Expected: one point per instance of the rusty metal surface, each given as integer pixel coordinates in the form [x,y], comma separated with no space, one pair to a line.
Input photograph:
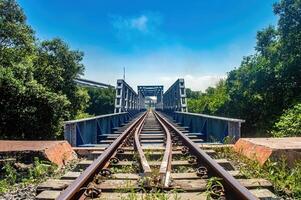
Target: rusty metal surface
[146,168]
[165,167]
[230,182]
[73,191]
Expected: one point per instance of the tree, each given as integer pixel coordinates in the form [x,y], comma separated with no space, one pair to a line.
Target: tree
[56,67]
[36,81]
[265,83]
[28,110]
[289,123]
[101,101]
[210,102]
[192,94]
[16,37]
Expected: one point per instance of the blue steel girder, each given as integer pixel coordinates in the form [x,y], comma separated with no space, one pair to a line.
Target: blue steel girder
[174,99]
[148,91]
[126,98]
[88,130]
[213,128]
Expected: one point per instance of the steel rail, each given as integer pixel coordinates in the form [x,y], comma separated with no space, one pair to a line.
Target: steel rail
[230,182]
[143,161]
[165,167]
[74,190]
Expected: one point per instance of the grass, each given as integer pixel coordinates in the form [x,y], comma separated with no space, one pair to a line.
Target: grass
[149,155]
[124,169]
[38,172]
[182,169]
[286,181]
[152,195]
[212,185]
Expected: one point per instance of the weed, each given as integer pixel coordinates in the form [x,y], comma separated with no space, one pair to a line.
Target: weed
[4,186]
[214,188]
[286,181]
[41,169]
[12,178]
[10,173]
[124,169]
[182,169]
[229,140]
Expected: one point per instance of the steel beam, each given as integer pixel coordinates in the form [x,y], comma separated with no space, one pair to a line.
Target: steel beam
[89,83]
[150,90]
[126,98]
[89,130]
[174,99]
[213,128]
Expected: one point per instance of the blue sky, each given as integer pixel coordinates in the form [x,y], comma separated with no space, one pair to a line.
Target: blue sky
[156,41]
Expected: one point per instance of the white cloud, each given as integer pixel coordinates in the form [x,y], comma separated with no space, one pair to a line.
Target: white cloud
[194,82]
[132,28]
[164,66]
[139,23]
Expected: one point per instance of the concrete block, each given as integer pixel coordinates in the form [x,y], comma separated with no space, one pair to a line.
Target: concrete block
[58,152]
[262,149]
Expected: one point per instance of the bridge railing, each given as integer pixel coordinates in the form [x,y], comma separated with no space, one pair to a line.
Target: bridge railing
[213,128]
[89,130]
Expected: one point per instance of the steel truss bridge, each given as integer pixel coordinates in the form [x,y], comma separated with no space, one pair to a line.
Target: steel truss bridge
[127,100]
[136,143]
[129,103]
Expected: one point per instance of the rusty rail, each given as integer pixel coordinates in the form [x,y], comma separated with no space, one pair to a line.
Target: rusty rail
[165,167]
[75,189]
[231,184]
[146,168]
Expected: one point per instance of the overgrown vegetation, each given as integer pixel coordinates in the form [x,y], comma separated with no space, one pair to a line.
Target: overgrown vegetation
[37,85]
[101,101]
[289,123]
[286,181]
[266,83]
[214,188]
[31,174]
[36,79]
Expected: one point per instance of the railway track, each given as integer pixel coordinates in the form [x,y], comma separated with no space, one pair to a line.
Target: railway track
[153,158]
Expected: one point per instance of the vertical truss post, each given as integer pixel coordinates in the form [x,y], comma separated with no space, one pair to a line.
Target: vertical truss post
[174,99]
[150,91]
[126,98]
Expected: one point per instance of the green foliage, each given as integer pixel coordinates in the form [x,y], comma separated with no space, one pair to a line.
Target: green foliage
[286,180]
[192,94]
[10,173]
[37,85]
[210,102]
[289,123]
[16,37]
[211,184]
[41,169]
[265,83]
[28,110]
[4,186]
[56,67]
[101,101]
[36,173]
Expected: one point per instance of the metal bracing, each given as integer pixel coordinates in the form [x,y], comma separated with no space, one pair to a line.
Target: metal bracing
[89,130]
[148,91]
[212,128]
[89,83]
[174,99]
[126,98]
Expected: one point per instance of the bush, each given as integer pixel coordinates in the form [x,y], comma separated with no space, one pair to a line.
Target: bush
[289,123]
